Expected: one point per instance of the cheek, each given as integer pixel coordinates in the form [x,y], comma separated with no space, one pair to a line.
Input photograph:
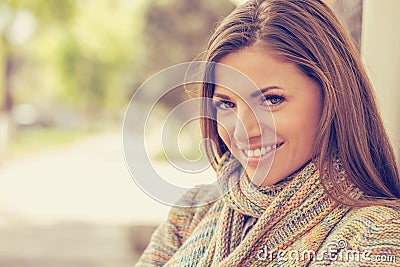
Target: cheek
[300,125]
[313,120]
[226,128]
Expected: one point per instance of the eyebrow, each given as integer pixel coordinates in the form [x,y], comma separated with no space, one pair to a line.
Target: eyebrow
[263,90]
[225,97]
[255,94]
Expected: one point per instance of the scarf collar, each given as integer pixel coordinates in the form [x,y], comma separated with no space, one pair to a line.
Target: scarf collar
[241,193]
[286,211]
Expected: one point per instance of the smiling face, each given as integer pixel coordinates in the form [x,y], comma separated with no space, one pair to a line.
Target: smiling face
[269,127]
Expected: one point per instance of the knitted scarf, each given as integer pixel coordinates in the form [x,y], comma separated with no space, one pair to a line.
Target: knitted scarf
[284,211]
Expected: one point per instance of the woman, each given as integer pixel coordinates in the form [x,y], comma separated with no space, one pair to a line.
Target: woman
[315,185]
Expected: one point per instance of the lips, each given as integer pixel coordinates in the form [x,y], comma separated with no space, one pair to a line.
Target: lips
[259,152]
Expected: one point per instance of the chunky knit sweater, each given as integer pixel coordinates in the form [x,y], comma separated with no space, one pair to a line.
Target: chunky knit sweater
[367,236]
[297,225]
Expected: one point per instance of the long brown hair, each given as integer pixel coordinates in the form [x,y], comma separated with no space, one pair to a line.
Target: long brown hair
[308,34]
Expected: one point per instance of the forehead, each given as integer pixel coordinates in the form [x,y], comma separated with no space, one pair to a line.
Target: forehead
[255,68]
[230,79]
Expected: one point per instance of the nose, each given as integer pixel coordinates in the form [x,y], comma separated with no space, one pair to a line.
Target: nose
[247,126]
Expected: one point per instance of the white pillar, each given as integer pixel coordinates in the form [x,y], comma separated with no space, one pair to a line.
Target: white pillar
[380,50]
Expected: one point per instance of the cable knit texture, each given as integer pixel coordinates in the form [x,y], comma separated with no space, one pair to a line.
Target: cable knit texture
[297,225]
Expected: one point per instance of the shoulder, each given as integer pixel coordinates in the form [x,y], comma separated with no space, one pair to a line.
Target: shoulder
[374,230]
[198,196]
[380,212]
[370,221]
[373,216]
[183,217]
[191,208]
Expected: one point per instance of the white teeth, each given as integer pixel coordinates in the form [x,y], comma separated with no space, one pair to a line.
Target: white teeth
[260,152]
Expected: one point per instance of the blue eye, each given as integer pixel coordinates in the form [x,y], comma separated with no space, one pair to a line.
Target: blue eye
[272,100]
[223,105]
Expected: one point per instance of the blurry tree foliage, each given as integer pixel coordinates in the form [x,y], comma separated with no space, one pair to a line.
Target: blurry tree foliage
[89,56]
[78,57]
[13,15]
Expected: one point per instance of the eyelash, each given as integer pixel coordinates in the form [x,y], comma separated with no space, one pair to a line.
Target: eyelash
[218,104]
[265,98]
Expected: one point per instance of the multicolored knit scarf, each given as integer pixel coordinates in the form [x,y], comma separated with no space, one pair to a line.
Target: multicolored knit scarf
[285,212]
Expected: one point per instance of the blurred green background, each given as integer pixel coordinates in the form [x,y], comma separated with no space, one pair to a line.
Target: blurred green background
[69,67]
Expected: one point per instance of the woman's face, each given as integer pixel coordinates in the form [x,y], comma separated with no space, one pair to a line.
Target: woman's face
[269,127]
